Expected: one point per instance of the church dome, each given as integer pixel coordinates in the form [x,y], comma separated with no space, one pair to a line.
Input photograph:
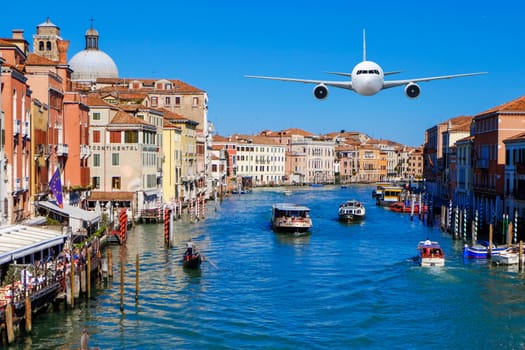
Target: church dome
[92,63]
[88,65]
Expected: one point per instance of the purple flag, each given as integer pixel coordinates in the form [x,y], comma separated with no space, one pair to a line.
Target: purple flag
[55,186]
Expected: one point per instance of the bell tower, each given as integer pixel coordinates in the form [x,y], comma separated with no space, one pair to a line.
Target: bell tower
[45,41]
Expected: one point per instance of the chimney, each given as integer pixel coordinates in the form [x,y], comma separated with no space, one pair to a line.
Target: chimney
[18,34]
[63,45]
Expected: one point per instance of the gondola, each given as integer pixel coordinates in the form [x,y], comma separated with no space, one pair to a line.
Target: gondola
[191,259]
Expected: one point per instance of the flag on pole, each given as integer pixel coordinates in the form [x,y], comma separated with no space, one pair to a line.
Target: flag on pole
[55,187]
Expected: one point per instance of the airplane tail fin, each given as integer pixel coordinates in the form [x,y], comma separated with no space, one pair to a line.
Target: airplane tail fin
[364,45]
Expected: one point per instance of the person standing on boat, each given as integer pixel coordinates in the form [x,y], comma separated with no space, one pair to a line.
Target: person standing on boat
[190,247]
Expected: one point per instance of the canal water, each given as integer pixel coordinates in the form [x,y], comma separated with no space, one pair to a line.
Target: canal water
[345,286]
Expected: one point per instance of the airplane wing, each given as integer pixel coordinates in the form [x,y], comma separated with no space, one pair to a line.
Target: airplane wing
[339,84]
[393,83]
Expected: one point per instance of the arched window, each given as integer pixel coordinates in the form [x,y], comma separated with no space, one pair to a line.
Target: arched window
[48,46]
[41,45]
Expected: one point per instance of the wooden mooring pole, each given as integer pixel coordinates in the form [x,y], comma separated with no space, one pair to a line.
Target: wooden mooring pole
[28,319]
[490,242]
[88,274]
[110,263]
[9,323]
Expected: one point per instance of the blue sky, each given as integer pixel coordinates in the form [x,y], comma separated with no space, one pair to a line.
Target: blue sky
[213,44]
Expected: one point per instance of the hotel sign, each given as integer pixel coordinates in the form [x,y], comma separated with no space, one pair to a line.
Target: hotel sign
[117,148]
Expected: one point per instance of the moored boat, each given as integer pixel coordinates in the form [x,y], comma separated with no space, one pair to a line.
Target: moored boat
[509,256]
[480,250]
[288,217]
[351,210]
[430,253]
[192,258]
[389,195]
[379,188]
[402,207]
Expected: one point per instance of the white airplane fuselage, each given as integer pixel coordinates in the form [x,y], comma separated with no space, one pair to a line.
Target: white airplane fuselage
[367,78]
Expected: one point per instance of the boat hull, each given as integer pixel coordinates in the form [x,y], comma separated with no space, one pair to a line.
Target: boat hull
[480,251]
[193,262]
[427,262]
[351,217]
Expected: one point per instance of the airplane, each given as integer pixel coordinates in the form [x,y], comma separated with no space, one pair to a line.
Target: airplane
[367,79]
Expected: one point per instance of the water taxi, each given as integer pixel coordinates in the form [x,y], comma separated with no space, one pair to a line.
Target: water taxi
[351,211]
[430,253]
[288,217]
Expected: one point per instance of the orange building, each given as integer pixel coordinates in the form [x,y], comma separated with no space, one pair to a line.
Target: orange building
[490,129]
[16,105]
[62,142]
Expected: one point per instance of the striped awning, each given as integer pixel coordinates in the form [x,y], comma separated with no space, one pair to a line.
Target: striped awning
[17,241]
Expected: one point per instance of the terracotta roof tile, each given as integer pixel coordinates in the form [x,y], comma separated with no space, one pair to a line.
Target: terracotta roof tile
[94,100]
[37,60]
[517,105]
[124,118]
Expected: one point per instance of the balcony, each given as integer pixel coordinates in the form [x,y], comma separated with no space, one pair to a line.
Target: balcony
[84,151]
[16,127]
[26,131]
[482,163]
[26,183]
[62,150]
[17,186]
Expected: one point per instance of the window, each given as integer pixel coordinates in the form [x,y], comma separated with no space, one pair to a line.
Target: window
[96,115]
[154,101]
[177,101]
[115,136]
[48,45]
[115,183]
[96,136]
[167,101]
[95,181]
[131,137]
[41,45]
[115,159]
[96,160]
[195,101]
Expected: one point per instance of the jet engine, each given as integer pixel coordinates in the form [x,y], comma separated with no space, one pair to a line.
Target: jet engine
[320,92]
[412,90]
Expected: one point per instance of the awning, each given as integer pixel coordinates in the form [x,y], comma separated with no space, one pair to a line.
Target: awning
[72,212]
[17,241]
[151,194]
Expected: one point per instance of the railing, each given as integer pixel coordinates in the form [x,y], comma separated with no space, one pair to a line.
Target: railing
[62,149]
[16,127]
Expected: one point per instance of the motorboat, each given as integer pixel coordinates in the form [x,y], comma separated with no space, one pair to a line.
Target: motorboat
[430,253]
[351,210]
[289,217]
[509,256]
[480,250]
